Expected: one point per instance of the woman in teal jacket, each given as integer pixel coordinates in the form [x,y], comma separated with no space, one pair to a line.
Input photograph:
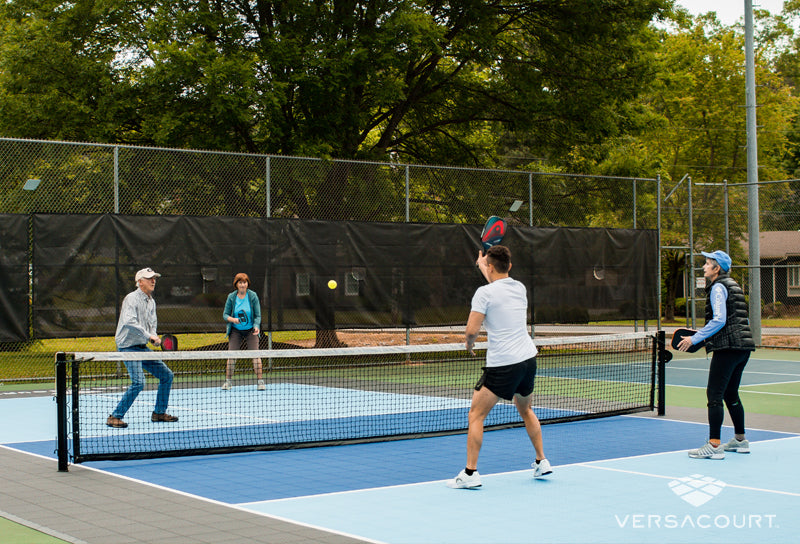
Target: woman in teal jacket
[243,315]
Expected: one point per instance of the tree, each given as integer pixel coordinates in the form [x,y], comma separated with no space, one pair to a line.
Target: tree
[350,79]
[696,115]
[435,82]
[59,78]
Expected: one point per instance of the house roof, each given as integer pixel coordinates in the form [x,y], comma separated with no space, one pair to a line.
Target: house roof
[777,244]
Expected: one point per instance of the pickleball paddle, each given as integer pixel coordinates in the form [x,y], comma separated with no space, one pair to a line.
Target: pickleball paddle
[493,232]
[680,334]
[169,342]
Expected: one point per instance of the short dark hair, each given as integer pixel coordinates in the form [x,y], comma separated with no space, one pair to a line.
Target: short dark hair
[241,276]
[500,258]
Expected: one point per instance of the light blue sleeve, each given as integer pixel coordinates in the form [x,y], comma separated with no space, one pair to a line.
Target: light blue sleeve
[719,296]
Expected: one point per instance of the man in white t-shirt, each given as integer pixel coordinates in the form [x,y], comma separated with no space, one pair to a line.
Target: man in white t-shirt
[502,308]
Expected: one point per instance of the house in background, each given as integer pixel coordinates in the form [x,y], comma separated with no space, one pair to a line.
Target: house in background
[780,266]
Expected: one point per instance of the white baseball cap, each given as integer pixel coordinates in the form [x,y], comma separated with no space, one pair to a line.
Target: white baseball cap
[146,273]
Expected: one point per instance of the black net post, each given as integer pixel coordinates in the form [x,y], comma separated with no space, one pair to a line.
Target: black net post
[662,373]
[76,428]
[61,411]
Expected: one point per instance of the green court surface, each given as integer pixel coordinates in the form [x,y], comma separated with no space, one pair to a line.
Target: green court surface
[770,385]
[16,533]
[756,399]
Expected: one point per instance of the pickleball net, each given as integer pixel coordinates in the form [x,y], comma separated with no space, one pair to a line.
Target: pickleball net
[331,396]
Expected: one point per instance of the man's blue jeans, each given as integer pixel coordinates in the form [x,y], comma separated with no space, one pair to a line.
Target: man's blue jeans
[136,371]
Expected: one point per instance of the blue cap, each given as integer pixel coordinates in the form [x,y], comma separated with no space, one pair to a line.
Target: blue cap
[721,257]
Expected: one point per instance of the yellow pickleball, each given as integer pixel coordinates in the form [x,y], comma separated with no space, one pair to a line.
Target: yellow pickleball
[332,284]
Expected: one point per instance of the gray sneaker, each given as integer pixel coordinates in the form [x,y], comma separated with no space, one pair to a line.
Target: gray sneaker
[708,452]
[739,446]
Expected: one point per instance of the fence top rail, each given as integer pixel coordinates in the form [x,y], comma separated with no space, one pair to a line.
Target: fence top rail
[318,159]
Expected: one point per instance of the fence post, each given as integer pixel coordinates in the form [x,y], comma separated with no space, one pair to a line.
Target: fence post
[408,219]
[530,199]
[727,219]
[268,184]
[692,281]
[116,179]
[658,249]
[408,195]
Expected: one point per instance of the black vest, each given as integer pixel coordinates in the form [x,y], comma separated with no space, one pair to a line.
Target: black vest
[735,334]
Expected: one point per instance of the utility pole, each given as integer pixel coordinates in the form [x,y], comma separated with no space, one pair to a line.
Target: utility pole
[753,229]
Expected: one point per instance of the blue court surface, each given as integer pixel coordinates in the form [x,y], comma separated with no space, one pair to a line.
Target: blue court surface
[612,482]
[618,479]
[654,498]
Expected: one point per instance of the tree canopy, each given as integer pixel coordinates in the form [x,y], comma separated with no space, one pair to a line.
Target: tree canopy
[628,88]
[432,81]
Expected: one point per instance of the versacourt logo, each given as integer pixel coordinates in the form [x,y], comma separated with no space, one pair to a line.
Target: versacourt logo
[697,489]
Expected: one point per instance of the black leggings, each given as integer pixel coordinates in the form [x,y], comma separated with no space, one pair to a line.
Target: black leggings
[724,376]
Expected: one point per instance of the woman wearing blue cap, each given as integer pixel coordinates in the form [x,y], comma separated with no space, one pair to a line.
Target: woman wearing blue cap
[728,338]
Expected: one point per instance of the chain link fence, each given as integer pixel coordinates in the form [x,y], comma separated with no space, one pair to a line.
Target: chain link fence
[779,247]
[46,177]
[84,178]
[711,216]
[78,178]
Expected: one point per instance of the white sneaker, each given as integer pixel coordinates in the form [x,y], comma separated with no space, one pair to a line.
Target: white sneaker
[739,446]
[261,385]
[226,385]
[463,481]
[541,468]
[708,452]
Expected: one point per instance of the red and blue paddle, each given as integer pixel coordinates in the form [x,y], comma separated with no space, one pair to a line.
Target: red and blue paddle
[493,232]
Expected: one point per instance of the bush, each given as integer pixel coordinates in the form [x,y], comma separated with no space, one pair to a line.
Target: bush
[682,311]
[773,309]
[680,307]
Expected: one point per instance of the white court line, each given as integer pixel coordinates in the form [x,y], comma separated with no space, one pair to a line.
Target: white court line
[789,434]
[775,491]
[767,393]
[524,471]
[743,390]
[745,372]
[771,383]
[194,496]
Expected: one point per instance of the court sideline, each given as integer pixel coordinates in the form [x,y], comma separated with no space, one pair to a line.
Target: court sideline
[87,505]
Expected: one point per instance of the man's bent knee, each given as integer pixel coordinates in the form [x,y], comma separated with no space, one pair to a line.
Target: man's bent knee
[136,386]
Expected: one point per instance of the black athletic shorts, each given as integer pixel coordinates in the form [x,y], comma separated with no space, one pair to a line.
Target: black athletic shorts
[505,381]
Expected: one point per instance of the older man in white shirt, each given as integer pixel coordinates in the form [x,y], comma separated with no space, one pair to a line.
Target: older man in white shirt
[136,328]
